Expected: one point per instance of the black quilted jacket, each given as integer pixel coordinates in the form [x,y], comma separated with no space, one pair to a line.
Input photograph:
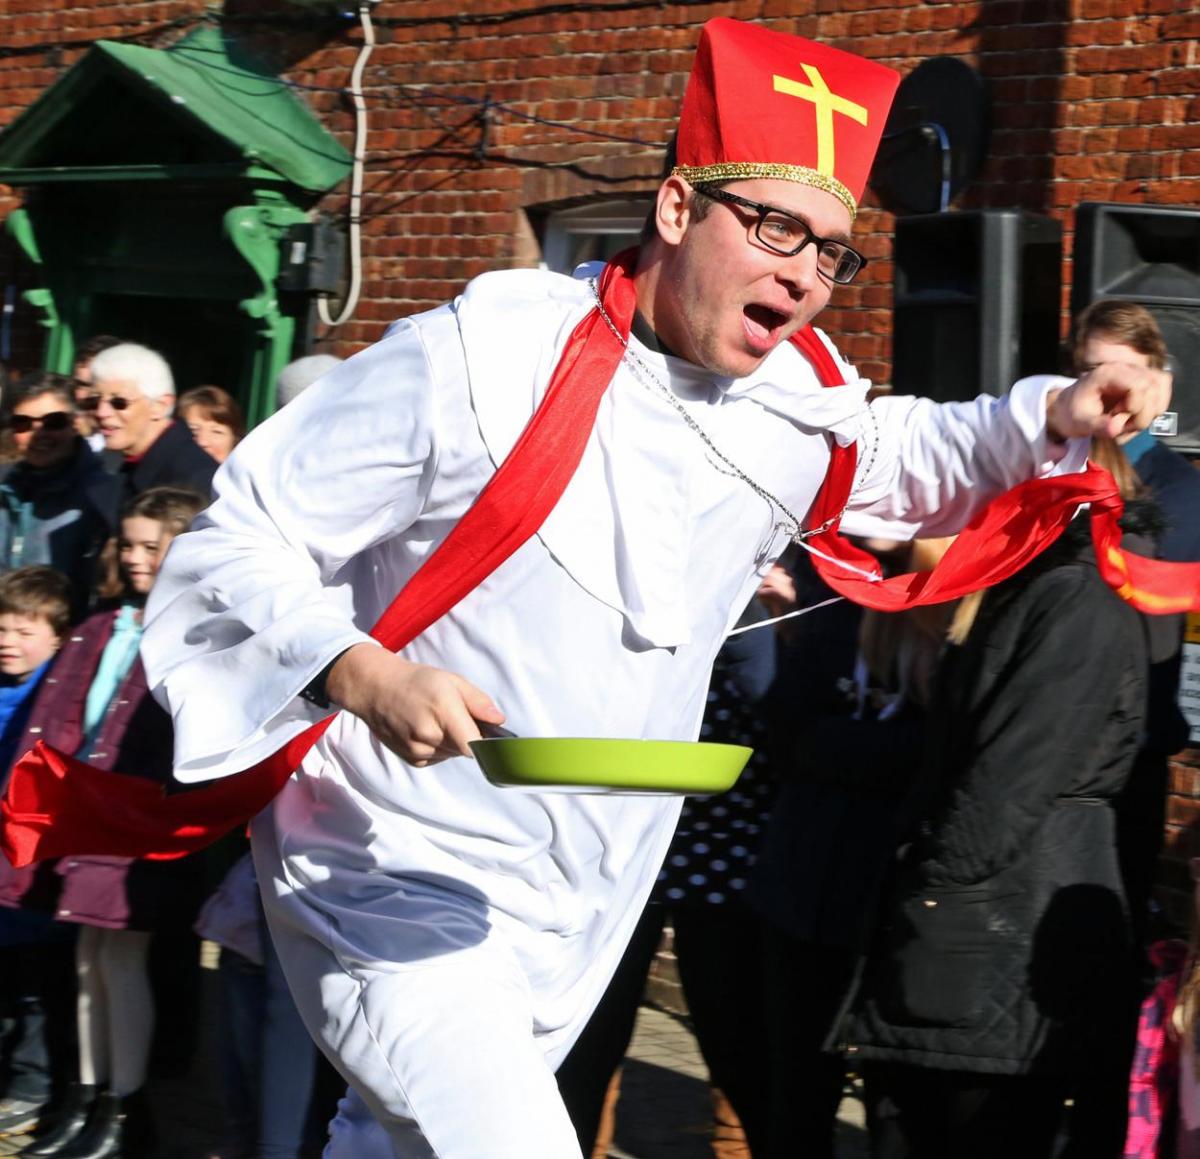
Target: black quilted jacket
[1004,944]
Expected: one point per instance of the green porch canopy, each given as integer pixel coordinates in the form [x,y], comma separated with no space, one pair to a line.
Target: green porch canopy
[164,192]
[215,109]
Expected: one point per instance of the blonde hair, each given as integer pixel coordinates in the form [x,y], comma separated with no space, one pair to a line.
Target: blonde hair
[1105,453]
[964,616]
[901,649]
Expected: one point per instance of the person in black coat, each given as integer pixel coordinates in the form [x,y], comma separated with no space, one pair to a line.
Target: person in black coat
[1111,330]
[133,399]
[998,977]
[846,749]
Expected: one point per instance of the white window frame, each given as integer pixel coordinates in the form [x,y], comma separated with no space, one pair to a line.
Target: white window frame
[615,224]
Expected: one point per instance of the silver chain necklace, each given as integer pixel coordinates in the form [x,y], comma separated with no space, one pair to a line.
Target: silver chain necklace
[647,377]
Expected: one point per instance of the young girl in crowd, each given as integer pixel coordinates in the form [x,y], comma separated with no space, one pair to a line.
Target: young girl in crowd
[96,705]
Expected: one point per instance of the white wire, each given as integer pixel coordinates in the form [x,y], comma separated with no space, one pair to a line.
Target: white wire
[785,616]
[867,575]
[356,178]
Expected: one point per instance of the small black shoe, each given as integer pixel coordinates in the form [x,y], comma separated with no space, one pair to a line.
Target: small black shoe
[18,1116]
[118,1128]
[67,1123]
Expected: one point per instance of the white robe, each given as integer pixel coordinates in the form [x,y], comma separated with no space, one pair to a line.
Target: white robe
[604,624]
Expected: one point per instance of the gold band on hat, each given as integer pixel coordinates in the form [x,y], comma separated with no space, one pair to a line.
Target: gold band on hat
[749,170]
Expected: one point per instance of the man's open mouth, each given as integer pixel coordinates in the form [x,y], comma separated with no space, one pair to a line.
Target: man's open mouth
[763,323]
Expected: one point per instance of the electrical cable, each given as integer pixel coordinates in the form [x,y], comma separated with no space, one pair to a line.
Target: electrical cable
[356,176]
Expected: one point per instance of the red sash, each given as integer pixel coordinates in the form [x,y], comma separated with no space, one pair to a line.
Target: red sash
[56,805]
[999,541]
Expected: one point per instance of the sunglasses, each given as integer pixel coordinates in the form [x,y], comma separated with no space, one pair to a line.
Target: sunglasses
[93,401]
[56,420]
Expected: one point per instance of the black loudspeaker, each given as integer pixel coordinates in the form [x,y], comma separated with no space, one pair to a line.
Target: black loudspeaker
[976,301]
[1149,255]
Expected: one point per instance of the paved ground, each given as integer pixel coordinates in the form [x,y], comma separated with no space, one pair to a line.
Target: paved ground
[664,1110]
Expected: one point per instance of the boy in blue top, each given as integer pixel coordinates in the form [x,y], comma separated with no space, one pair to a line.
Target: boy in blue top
[34,614]
[36,957]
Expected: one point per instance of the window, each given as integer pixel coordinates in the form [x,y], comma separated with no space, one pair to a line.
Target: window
[593,232]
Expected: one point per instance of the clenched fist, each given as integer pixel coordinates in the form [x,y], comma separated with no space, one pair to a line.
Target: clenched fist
[422,714]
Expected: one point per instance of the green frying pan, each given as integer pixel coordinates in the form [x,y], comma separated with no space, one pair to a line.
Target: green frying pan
[611,766]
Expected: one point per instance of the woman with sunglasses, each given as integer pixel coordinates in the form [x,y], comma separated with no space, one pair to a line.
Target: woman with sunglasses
[55,499]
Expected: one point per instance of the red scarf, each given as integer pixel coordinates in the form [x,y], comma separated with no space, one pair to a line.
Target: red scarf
[999,541]
[56,805]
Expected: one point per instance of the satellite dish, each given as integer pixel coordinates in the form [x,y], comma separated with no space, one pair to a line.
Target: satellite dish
[936,137]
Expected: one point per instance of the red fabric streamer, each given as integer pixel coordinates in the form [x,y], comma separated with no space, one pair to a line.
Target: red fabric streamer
[56,805]
[1002,538]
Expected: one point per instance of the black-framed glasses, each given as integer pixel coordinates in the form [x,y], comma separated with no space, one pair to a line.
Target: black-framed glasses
[784,234]
[56,420]
[93,401]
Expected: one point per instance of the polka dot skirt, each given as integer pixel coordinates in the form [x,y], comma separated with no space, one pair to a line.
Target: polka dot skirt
[717,838]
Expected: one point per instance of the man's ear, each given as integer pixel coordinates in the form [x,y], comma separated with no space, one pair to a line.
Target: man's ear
[673,209]
[167,405]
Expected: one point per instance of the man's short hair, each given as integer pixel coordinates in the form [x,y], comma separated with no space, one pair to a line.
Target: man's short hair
[301,374]
[97,344]
[129,362]
[1122,323]
[700,207]
[39,593]
[38,383]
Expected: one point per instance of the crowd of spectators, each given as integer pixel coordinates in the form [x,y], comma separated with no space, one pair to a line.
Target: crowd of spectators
[935,875]
[99,956]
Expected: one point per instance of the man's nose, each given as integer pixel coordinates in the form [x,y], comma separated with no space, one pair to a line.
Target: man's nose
[800,270]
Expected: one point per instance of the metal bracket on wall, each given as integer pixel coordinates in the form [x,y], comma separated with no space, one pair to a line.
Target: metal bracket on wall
[20,228]
[256,232]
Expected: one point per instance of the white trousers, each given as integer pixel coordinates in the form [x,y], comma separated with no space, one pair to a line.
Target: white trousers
[441,1056]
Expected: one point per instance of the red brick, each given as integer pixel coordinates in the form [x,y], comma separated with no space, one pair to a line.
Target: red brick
[1133,140]
[1183,811]
[1181,81]
[1180,26]
[1123,60]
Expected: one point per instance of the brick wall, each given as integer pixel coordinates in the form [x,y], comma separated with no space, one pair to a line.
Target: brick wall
[1092,101]
[1182,839]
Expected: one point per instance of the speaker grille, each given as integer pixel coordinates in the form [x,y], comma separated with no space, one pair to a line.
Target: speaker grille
[1149,255]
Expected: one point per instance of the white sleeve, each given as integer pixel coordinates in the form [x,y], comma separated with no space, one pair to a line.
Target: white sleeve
[256,599]
[925,468]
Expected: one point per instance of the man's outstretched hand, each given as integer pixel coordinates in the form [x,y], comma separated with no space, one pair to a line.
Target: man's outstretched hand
[424,715]
[1110,400]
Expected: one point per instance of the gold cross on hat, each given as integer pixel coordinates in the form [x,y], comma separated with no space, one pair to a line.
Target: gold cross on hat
[826,104]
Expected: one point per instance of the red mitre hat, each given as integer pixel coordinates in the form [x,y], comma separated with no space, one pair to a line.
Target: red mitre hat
[768,104]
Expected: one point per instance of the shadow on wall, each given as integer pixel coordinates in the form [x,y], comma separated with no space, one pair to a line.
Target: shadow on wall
[1022,55]
[272,36]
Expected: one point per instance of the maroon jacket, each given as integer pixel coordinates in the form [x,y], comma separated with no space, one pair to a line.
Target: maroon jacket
[134,738]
